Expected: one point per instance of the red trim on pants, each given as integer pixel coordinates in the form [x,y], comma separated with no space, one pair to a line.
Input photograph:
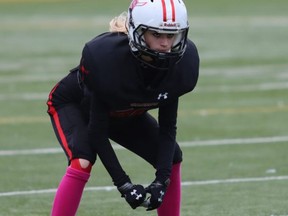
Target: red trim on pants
[53,112]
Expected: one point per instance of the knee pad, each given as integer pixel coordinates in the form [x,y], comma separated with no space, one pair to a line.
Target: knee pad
[84,167]
[177,155]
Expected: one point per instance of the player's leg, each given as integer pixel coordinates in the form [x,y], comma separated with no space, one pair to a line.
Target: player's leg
[171,205]
[140,135]
[71,130]
[69,192]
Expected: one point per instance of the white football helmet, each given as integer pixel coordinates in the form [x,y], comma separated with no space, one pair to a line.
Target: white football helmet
[161,16]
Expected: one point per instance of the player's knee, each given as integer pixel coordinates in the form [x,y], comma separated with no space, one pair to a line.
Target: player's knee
[177,155]
[81,164]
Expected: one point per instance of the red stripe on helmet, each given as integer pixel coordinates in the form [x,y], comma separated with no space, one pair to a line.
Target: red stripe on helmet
[164,11]
[173,11]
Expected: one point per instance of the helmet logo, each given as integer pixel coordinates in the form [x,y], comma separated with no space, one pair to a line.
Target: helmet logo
[171,24]
[135,3]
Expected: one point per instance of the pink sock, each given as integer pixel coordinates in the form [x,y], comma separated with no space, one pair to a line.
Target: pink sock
[172,200]
[69,193]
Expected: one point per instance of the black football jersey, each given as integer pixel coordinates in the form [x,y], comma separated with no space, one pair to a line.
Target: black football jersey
[122,87]
[120,81]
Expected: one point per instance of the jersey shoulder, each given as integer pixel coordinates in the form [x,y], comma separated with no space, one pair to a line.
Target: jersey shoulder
[187,69]
[108,62]
[108,45]
[191,52]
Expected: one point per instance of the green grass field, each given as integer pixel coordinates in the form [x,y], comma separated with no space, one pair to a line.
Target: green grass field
[232,128]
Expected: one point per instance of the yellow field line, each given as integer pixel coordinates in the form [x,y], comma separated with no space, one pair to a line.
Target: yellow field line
[23,120]
[232,111]
[200,112]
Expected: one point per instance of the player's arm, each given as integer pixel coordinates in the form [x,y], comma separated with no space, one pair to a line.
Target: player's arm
[167,118]
[99,138]
[98,134]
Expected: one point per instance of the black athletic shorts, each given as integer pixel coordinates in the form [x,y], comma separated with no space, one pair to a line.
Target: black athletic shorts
[70,121]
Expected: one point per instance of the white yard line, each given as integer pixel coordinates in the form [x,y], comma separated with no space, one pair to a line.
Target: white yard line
[256,140]
[184,184]
[30,96]
[259,140]
[236,180]
[238,141]
[31,151]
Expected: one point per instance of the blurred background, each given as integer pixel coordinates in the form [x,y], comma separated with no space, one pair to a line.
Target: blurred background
[232,127]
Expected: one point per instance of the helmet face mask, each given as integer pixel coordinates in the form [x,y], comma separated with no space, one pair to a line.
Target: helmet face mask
[149,16]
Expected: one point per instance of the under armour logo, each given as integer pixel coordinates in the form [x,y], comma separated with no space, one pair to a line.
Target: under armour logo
[160,199]
[138,196]
[163,96]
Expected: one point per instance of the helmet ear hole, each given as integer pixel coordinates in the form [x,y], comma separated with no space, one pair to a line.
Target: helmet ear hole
[130,20]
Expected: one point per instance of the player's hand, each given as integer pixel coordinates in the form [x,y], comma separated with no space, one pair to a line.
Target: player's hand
[157,191]
[134,194]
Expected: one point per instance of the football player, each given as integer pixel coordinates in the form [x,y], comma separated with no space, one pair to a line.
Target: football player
[144,62]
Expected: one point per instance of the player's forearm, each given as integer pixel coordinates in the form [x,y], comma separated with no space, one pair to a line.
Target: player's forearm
[111,163]
[165,157]
[98,135]
[167,139]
